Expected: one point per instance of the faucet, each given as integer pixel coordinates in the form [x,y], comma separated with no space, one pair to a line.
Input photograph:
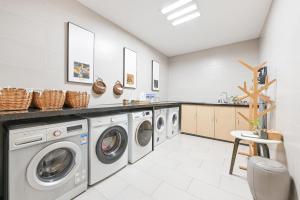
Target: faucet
[223,97]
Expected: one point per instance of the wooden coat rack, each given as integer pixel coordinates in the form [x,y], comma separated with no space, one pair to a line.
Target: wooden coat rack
[254,93]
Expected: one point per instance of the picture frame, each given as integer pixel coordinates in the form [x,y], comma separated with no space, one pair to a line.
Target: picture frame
[155,75]
[80,54]
[129,68]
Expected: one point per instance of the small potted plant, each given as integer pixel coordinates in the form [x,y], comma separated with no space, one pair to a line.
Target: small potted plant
[256,126]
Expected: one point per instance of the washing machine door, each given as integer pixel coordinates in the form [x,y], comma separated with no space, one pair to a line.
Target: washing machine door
[174,119]
[54,165]
[143,133]
[160,123]
[112,144]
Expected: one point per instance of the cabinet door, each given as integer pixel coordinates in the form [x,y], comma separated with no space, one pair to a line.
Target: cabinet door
[224,122]
[206,121]
[241,123]
[188,119]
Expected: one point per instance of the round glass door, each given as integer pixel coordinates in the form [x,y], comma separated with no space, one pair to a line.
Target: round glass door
[144,133]
[160,124]
[174,119]
[111,144]
[55,165]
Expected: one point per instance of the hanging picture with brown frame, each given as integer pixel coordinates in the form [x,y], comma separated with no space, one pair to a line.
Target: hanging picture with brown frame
[155,76]
[80,54]
[129,69]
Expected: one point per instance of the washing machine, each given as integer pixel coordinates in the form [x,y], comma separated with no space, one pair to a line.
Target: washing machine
[108,141]
[173,122]
[160,126]
[46,160]
[140,135]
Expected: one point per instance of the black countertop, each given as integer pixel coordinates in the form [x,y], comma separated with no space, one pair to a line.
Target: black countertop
[104,108]
[213,104]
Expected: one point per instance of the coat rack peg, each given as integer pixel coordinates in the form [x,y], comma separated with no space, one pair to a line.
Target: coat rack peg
[247,65]
[260,66]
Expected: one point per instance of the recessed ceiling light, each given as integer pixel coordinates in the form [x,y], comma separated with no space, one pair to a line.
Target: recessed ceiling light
[182,12]
[186,18]
[174,6]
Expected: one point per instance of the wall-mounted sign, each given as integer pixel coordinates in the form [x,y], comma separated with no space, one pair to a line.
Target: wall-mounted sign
[80,54]
[129,73]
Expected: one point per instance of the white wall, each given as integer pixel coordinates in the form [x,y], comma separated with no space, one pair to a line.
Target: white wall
[203,75]
[33,44]
[280,45]
[33,48]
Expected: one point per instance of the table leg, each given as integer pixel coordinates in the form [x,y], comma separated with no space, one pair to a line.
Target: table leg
[234,152]
[265,149]
[258,149]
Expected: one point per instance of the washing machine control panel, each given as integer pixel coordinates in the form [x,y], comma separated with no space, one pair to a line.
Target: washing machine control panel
[57,133]
[63,131]
[147,113]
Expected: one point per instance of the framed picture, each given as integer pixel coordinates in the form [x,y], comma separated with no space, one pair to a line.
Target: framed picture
[155,76]
[80,54]
[129,71]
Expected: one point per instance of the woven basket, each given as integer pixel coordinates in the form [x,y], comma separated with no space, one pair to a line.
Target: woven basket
[77,99]
[12,99]
[49,99]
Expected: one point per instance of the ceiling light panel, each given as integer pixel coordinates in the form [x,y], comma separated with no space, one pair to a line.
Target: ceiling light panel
[175,5]
[186,18]
[182,12]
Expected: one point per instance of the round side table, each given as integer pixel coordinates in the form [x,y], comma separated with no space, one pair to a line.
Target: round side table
[245,135]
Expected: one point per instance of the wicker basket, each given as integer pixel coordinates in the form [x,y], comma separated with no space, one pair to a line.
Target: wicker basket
[77,99]
[49,99]
[12,99]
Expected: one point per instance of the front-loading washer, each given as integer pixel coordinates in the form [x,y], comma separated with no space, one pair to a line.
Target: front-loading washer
[160,126]
[140,135]
[173,122]
[46,160]
[108,141]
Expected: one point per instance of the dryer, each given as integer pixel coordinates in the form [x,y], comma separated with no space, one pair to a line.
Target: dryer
[173,122]
[140,135]
[47,160]
[108,152]
[160,126]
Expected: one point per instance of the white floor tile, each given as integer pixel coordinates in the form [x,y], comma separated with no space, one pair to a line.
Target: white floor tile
[207,192]
[166,192]
[132,193]
[171,176]
[144,164]
[209,176]
[183,168]
[111,186]
[235,185]
[91,194]
[140,180]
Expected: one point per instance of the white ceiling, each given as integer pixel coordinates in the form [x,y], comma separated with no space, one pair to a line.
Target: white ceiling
[221,22]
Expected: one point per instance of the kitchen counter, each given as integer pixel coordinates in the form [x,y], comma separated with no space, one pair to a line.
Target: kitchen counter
[213,104]
[103,108]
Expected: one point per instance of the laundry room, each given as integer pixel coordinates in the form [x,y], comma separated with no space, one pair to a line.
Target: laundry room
[156,100]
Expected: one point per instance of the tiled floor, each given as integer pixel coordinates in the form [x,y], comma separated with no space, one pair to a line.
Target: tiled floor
[183,168]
